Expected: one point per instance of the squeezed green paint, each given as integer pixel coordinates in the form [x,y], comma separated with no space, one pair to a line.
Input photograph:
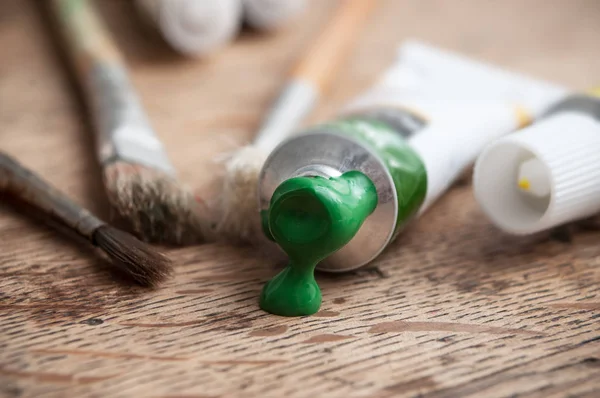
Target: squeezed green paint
[311,218]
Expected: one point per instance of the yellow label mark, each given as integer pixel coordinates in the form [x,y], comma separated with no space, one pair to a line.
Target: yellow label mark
[595,92]
[523,117]
[524,184]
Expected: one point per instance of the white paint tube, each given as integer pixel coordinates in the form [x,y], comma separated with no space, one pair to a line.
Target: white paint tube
[271,14]
[194,27]
[464,105]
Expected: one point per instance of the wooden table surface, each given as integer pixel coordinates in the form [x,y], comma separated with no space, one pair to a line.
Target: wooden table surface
[454,308]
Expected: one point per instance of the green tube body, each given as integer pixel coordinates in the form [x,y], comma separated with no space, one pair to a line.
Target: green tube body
[375,143]
[390,142]
[324,206]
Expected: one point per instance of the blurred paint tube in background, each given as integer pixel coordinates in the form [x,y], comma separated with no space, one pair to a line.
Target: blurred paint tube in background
[547,174]
[194,27]
[271,14]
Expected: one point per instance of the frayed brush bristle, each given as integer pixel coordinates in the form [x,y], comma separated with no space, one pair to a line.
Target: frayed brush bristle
[133,257]
[158,208]
[239,213]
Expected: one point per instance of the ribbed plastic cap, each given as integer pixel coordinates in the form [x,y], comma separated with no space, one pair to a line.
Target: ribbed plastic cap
[561,154]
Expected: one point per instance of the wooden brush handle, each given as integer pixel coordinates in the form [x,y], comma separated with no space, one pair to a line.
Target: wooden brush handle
[123,131]
[29,187]
[321,61]
[313,75]
[86,39]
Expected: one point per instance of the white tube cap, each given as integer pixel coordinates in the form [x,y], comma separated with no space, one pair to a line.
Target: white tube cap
[542,176]
[195,27]
[271,14]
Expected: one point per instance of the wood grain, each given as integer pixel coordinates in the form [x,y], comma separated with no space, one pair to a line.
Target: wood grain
[454,308]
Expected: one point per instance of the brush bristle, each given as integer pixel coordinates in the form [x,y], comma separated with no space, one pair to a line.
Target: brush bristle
[134,258]
[159,209]
[239,213]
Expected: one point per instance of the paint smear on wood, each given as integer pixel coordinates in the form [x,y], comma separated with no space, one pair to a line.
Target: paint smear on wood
[268,332]
[422,383]
[194,291]
[244,362]
[103,354]
[577,306]
[162,325]
[44,377]
[326,338]
[402,326]
[187,396]
[327,314]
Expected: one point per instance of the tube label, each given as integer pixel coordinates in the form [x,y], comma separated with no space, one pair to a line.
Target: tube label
[403,121]
[402,162]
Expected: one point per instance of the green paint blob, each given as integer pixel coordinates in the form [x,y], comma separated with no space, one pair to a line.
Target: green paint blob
[311,218]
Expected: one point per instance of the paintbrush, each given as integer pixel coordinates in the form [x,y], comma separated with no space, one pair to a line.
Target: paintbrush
[134,258]
[138,176]
[238,215]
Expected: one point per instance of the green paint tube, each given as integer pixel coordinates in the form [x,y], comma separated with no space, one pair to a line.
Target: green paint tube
[411,136]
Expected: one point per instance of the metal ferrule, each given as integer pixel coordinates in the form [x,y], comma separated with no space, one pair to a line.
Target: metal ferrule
[123,131]
[323,152]
[580,103]
[290,108]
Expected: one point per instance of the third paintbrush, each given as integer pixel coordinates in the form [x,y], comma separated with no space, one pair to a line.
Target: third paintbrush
[138,176]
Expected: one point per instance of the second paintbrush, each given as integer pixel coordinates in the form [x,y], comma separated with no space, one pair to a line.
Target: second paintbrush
[137,260]
[238,216]
[138,176]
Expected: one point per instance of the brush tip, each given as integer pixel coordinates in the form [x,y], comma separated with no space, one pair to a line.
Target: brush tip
[158,208]
[132,257]
[239,210]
